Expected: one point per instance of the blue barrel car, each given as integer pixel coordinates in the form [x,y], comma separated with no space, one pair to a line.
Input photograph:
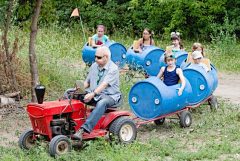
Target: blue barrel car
[204,83]
[147,61]
[118,53]
[151,98]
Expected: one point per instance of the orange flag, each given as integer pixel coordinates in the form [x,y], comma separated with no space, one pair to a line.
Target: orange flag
[75,12]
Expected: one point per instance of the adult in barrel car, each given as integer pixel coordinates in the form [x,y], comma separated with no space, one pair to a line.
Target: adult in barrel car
[103,80]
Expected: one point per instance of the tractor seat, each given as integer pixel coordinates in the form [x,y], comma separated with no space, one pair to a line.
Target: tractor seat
[119,103]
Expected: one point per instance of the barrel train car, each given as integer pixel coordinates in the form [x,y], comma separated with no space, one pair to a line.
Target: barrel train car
[152,100]
[118,53]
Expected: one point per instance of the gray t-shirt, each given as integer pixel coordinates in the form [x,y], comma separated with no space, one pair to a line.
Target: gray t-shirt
[109,74]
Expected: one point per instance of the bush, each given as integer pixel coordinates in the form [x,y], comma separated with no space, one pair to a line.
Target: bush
[192,18]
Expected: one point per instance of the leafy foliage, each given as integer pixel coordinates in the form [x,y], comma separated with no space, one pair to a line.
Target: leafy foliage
[191,18]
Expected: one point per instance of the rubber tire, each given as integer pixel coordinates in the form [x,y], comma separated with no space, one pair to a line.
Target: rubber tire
[116,127]
[214,103]
[159,121]
[53,145]
[185,119]
[24,139]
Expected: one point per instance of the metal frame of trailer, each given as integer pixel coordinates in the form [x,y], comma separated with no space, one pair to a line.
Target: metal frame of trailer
[184,115]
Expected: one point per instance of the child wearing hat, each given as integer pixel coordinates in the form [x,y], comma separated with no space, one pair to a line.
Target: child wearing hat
[196,47]
[197,57]
[172,73]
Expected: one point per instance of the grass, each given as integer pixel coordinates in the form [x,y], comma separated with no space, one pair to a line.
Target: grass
[212,136]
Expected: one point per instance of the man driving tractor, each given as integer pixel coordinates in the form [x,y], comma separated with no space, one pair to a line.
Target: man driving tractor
[103,80]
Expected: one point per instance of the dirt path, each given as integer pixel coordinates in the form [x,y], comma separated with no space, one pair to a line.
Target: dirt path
[228,87]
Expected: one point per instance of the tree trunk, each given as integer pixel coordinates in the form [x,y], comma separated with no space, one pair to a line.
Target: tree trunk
[32,53]
[14,81]
[1,89]
[10,95]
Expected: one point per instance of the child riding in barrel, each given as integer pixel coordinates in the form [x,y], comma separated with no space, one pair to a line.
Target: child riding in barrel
[177,44]
[145,41]
[197,57]
[172,73]
[196,47]
[99,38]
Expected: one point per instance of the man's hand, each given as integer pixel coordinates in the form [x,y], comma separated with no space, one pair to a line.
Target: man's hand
[88,97]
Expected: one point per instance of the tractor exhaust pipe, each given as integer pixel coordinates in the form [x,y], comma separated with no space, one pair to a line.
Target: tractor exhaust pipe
[40,91]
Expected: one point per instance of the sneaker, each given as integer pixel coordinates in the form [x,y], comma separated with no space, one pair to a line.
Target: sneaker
[78,135]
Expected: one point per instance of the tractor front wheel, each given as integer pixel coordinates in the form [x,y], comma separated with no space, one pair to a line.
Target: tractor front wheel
[60,144]
[26,140]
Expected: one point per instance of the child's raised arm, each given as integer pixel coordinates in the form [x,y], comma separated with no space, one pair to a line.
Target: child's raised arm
[180,74]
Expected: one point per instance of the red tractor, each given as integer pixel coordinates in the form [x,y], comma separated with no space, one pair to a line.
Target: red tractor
[57,121]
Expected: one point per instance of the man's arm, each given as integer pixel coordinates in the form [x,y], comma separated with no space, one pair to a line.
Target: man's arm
[86,84]
[101,87]
[98,90]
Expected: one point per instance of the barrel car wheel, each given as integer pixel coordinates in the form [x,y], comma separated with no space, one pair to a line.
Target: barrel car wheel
[185,119]
[159,121]
[124,129]
[214,103]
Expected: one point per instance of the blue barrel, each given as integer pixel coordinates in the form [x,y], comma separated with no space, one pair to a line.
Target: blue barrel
[118,53]
[147,61]
[180,55]
[203,83]
[151,98]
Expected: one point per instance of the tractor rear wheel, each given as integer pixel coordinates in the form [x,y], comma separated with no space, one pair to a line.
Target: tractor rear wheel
[124,129]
